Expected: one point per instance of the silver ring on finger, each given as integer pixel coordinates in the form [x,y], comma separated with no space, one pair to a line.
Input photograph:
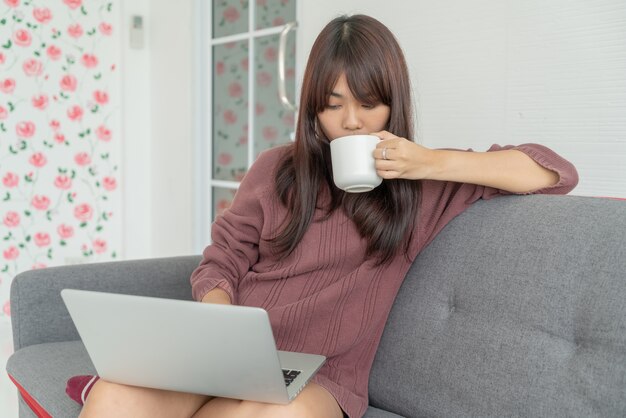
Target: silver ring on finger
[385,153]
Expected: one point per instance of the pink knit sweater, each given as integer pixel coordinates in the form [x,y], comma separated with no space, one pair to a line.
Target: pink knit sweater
[326,297]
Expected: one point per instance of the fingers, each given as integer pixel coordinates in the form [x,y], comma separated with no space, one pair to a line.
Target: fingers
[388,150]
[383,153]
[387,169]
[387,139]
[385,149]
[390,155]
[388,174]
[386,156]
[383,135]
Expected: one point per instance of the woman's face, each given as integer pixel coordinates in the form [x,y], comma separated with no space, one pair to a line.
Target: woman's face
[345,115]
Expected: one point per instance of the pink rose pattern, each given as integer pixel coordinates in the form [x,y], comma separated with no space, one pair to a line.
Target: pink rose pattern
[273,123]
[274,13]
[230,110]
[59,135]
[222,198]
[229,17]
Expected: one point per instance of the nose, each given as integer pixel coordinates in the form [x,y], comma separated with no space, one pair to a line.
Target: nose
[351,119]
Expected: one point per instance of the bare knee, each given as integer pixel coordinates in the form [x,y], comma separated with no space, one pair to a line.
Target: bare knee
[107,396]
[231,408]
[262,410]
[105,391]
[112,399]
[292,410]
[313,402]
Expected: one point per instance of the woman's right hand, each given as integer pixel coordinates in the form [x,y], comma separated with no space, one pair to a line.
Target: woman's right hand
[218,296]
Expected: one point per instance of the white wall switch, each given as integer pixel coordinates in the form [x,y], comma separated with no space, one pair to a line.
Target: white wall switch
[136,32]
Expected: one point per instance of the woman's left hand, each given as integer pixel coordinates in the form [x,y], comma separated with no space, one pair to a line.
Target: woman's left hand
[399,158]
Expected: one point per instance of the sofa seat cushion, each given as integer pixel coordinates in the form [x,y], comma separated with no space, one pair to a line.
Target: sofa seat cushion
[372,412]
[42,371]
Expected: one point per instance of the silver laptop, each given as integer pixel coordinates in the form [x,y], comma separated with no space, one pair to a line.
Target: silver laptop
[219,350]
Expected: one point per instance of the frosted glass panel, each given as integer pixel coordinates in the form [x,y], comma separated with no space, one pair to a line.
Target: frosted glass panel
[274,13]
[273,124]
[222,199]
[232,98]
[230,110]
[229,17]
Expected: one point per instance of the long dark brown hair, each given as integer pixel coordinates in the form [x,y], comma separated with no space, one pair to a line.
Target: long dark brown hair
[368,54]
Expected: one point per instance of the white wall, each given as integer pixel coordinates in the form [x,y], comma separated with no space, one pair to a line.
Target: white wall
[158,126]
[509,72]
[486,71]
[136,167]
[172,128]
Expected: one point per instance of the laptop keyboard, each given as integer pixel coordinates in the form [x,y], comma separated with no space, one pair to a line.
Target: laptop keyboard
[290,375]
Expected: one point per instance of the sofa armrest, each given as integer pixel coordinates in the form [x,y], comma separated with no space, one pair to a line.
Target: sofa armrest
[38,314]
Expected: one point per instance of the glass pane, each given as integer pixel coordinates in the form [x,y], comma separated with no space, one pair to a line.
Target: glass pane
[230,110]
[222,199]
[273,123]
[274,13]
[229,17]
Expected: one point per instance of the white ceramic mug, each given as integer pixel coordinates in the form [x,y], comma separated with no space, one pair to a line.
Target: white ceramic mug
[352,156]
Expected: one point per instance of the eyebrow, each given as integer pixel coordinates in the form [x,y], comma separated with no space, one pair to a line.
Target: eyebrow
[335,94]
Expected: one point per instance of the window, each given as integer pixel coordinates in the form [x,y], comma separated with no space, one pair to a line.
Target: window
[241,111]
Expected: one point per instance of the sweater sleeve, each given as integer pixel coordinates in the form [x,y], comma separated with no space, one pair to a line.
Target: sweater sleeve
[442,201]
[235,234]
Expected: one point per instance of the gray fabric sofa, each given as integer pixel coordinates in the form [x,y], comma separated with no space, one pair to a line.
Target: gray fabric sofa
[518,308]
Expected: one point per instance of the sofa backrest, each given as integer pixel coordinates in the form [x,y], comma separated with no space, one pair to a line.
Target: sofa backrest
[517,308]
[40,316]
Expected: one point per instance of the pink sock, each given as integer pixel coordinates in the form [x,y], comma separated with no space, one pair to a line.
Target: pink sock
[78,387]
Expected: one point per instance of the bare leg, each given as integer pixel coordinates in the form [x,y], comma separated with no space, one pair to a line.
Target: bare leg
[313,402]
[108,399]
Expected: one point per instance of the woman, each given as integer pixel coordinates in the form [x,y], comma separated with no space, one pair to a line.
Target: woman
[325,264]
